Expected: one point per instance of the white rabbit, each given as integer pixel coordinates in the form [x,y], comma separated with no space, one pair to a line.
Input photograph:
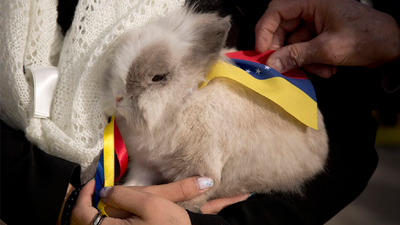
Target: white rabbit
[225,131]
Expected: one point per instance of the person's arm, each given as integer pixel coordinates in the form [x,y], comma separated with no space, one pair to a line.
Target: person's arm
[33,183]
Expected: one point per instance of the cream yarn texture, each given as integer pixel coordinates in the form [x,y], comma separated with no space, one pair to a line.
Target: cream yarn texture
[30,36]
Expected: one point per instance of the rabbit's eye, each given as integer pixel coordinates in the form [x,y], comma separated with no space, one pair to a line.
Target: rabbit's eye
[158,77]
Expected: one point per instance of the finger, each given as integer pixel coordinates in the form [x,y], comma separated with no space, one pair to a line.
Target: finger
[83,210]
[321,70]
[300,54]
[302,34]
[271,20]
[126,199]
[117,213]
[181,190]
[265,29]
[216,205]
[278,39]
[113,221]
[116,221]
[286,26]
[137,202]
[85,195]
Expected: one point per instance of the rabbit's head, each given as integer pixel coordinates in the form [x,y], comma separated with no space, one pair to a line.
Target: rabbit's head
[156,67]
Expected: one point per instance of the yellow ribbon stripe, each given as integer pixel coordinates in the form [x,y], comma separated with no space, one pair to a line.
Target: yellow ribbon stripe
[108,144]
[101,207]
[108,151]
[282,92]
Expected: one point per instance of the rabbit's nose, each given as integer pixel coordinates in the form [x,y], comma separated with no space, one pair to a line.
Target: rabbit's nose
[118,99]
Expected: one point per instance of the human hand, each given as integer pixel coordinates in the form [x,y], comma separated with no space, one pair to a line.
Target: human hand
[190,188]
[147,208]
[83,211]
[216,205]
[323,34]
[161,197]
[135,206]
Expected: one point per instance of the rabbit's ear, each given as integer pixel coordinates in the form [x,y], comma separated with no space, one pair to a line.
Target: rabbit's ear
[212,33]
[209,36]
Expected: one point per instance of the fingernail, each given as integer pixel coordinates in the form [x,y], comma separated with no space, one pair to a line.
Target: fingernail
[276,64]
[204,183]
[104,191]
[251,194]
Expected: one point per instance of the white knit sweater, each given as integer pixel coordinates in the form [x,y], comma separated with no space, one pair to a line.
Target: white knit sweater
[30,36]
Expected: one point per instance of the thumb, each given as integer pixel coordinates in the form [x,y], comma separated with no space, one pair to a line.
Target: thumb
[295,56]
[181,190]
[216,205]
[83,211]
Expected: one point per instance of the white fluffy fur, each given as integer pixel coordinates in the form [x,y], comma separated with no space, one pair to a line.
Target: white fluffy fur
[225,131]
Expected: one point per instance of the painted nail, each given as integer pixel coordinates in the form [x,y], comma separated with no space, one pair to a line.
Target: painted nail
[251,194]
[204,183]
[104,191]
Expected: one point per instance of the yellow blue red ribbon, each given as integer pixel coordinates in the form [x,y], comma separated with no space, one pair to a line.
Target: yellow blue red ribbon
[293,91]
[114,153]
